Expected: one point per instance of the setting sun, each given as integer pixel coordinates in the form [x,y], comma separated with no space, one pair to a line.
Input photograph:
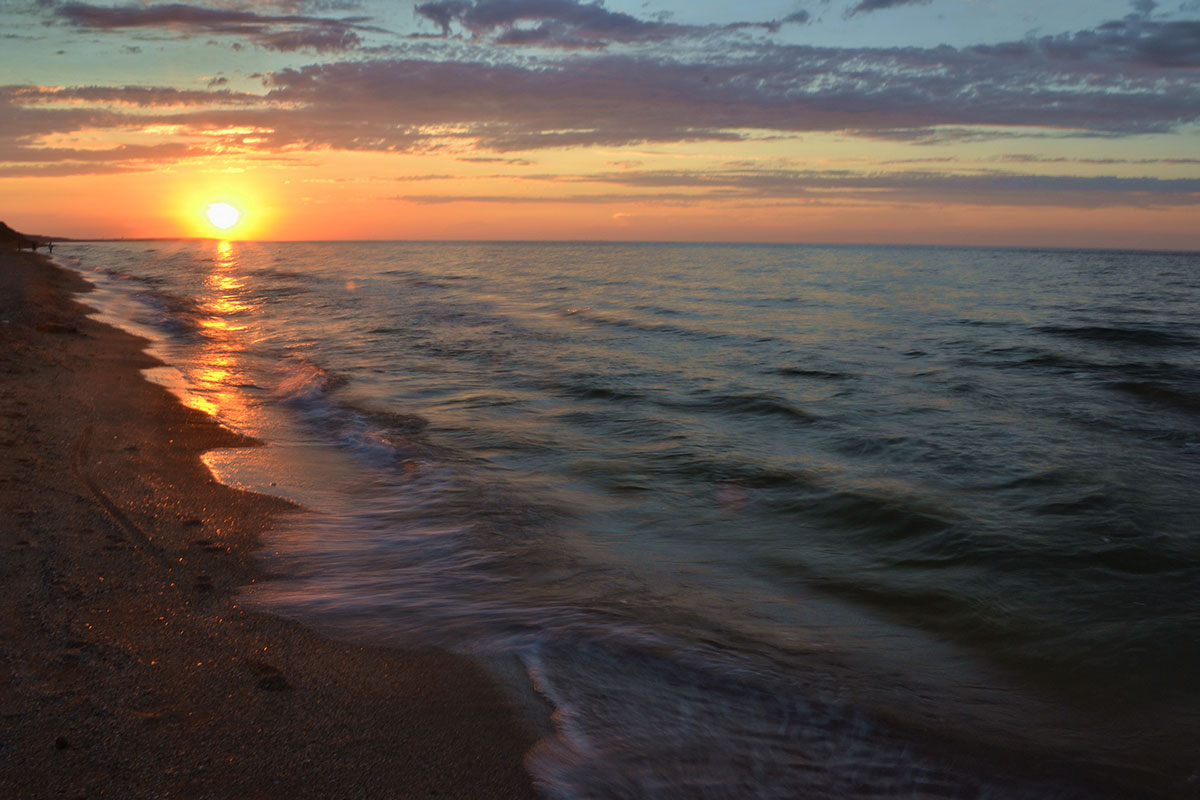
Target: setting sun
[222,215]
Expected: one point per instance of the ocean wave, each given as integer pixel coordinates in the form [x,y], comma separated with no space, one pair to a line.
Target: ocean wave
[648,498]
[382,437]
[172,314]
[1142,337]
[585,387]
[641,326]
[800,372]
[877,517]
[1161,395]
[749,403]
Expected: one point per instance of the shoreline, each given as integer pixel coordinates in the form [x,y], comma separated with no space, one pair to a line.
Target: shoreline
[127,666]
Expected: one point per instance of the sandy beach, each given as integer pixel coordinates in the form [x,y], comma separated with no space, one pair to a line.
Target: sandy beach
[127,668]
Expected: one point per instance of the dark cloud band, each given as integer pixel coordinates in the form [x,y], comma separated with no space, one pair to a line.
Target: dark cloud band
[569,24]
[867,6]
[284,32]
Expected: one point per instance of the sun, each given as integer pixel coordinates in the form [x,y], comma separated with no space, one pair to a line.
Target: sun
[222,215]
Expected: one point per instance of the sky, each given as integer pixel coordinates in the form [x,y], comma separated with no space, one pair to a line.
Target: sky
[985,122]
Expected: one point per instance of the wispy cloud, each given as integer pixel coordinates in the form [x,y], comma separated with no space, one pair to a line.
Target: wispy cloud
[804,186]
[918,95]
[282,32]
[1132,41]
[17,97]
[517,162]
[555,22]
[867,6]
[1126,77]
[925,96]
[569,24]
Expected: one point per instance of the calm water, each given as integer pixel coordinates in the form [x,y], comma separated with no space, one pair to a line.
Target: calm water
[753,521]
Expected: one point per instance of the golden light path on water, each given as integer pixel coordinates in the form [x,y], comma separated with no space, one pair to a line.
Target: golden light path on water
[229,319]
[218,362]
[213,381]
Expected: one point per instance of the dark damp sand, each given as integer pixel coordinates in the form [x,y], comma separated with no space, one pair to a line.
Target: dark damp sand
[127,669]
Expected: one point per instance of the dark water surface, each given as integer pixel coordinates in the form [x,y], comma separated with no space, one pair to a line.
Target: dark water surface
[756,521]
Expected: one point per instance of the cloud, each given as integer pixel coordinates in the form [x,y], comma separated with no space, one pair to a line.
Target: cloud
[319,39]
[548,23]
[18,97]
[928,96]
[1144,7]
[443,12]
[568,24]
[514,162]
[23,161]
[935,95]
[1031,158]
[660,198]
[561,19]
[1122,78]
[741,186]
[773,26]
[867,6]
[987,188]
[66,170]
[284,32]
[306,6]
[943,135]
[125,152]
[1131,41]
[34,118]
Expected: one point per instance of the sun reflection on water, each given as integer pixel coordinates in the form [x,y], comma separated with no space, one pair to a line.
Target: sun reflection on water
[227,309]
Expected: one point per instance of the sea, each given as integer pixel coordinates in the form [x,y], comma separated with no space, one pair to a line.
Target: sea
[729,520]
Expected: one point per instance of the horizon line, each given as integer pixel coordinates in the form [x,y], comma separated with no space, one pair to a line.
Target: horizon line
[724,243]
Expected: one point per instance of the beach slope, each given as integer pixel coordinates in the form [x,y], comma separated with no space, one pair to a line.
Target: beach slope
[127,668]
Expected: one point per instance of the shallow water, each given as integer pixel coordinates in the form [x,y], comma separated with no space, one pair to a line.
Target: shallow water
[758,521]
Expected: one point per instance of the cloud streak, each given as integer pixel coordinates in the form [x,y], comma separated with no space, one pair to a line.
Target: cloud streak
[1132,41]
[281,32]
[562,23]
[1124,78]
[569,24]
[482,103]
[867,6]
[925,96]
[931,95]
[834,186]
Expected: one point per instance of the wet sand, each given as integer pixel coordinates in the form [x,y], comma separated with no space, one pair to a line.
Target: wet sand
[127,667]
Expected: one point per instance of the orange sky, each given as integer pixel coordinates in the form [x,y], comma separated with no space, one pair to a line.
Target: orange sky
[577,121]
[278,207]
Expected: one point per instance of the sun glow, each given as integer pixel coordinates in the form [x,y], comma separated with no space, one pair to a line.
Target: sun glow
[222,215]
